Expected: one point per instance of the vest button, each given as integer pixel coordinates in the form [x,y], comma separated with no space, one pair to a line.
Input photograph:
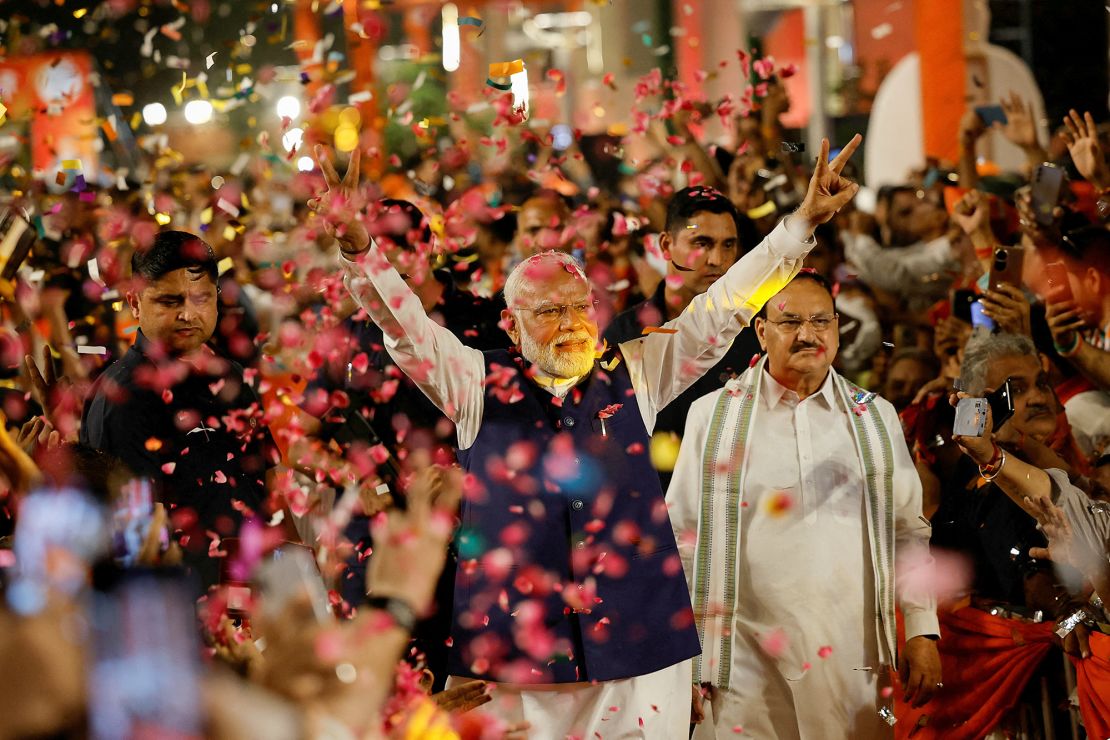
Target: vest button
[580,545]
[576,504]
[568,421]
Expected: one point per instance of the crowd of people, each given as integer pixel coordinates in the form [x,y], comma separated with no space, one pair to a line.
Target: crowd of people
[511,440]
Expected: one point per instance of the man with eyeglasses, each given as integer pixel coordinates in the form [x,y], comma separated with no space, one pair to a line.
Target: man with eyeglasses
[793,494]
[569,593]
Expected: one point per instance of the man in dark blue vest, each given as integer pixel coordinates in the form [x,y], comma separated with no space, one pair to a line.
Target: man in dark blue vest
[570,594]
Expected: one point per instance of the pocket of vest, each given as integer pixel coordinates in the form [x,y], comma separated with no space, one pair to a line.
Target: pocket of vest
[662,549]
[605,427]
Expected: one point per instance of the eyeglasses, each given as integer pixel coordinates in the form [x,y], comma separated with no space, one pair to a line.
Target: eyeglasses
[555,313]
[820,322]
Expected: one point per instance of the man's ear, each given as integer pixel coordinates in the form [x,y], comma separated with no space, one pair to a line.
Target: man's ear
[761,329]
[508,323]
[1094,280]
[133,302]
[665,244]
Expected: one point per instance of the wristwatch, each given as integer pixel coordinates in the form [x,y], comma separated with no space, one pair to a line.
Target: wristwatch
[404,616]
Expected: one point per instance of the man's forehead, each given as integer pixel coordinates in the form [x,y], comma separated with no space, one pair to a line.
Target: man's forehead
[719,226]
[1024,367]
[180,280]
[801,297]
[556,282]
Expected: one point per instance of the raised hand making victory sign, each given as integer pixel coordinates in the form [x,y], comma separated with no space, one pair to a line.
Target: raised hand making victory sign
[341,204]
[828,192]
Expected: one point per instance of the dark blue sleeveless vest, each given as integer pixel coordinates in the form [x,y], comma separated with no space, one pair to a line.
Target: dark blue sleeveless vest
[568,569]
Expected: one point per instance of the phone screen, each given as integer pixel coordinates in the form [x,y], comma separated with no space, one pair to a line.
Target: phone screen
[143,678]
[991,114]
[1047,181]
[131,519]
[289,574]
[58,535]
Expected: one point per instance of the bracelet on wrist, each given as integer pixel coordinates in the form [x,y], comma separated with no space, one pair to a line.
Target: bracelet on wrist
[402,613]
[1071,351]
[989,475]
[996,455]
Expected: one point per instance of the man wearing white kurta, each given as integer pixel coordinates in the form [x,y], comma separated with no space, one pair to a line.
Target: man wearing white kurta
[792,495]
[628,674]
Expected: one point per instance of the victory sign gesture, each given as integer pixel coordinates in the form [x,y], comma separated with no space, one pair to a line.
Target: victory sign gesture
[341,204]
[829,192]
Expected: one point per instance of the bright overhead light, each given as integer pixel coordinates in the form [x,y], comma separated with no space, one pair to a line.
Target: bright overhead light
[288,107]
[451,53]
[305,164]
[519,89]
[198,112]
[576,19]
[154,114]
[292,139]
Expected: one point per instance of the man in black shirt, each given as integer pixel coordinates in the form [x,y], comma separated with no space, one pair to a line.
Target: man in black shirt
[175,412]
[703,236]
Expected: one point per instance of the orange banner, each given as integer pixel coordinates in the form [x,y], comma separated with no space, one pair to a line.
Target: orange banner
[52,94]
[938,27]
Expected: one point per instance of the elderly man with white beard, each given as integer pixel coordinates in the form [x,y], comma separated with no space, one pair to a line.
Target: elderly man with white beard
[570,595]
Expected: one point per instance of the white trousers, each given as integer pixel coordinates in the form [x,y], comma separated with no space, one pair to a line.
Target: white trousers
[651,707]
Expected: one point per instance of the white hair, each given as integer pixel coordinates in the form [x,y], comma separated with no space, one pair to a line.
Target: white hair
[983,350]
[514,284]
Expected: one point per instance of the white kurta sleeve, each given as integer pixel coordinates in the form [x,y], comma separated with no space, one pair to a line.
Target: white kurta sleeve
[1090,531]
[448,372]
[914,566]
[664,364]
[684,492]
[896,269]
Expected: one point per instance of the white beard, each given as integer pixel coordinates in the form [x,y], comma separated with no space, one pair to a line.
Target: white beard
[553,362]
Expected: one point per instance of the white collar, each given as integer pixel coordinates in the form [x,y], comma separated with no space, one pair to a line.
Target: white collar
[558,387]
[774,392]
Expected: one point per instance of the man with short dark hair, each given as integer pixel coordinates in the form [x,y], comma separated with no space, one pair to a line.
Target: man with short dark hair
[175,412]
[703,236]
[793,495]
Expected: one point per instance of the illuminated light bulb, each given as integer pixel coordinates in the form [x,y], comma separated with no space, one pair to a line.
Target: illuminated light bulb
[519,89]
[154,114]
[451,48]
[198,112]
[288,107]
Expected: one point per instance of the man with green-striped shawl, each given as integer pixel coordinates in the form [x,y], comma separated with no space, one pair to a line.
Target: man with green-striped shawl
[797,511]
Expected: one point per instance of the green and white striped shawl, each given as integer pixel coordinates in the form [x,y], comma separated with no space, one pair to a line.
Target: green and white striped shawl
[718,546]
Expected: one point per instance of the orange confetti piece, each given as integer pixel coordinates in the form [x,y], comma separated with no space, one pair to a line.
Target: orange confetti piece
[123,99]
[110,132]
[171,33]
[153,444]
[658,330]
[505,69]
